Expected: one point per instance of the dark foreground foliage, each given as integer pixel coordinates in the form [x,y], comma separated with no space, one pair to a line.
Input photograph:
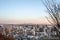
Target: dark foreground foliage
[3,37]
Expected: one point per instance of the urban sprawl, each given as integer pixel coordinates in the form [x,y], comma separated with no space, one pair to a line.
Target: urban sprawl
[28,31]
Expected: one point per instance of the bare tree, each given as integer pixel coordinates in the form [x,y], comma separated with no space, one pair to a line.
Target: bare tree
[53,9]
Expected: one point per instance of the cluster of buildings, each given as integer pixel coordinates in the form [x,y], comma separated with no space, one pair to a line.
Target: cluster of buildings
[27,31]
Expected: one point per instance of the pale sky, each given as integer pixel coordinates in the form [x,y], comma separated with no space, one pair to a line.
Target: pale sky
[22,11]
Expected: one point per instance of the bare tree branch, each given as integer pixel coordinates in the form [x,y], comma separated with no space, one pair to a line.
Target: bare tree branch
[53,10]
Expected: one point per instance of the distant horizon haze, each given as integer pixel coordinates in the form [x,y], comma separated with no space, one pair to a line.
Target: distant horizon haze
[24,21]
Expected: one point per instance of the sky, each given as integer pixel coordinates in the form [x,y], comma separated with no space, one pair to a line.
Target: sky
[22,11]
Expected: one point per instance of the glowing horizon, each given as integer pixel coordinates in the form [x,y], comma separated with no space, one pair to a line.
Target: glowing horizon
[24,21]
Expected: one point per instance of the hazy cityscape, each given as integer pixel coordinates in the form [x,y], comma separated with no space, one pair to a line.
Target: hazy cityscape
[29,19]
[28,31]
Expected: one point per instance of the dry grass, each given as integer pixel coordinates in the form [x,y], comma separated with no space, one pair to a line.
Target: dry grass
[3,37]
